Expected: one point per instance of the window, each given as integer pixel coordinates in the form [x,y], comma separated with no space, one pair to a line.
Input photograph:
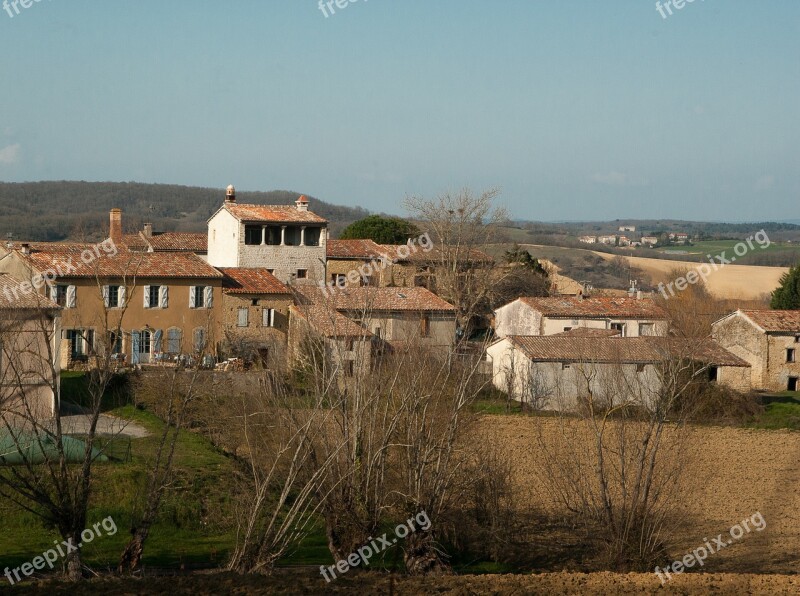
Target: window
[242,317]
[797,339]
[201,296]
[253,235]
[114,342]
[81,342]
[792,384]
[565,365]
[59,294]
[713,374]
[646,329]
[351,343]
[114,296]
[151,296]
[273,236]
[339,279]
[254,302]
[618,327]
[268,317]
[567,328]
[366,280]
[425,326]
[378,333]
[174,337]
[640,368]
[348,368]
[791,355]
[302,274]
[312,236]
[145,342]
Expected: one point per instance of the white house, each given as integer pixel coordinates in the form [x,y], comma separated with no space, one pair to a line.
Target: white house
[559,372]
[288,241]
[631,317]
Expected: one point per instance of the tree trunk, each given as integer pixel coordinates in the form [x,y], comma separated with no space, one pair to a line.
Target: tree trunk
[421,557]
[131,559]
[74,565]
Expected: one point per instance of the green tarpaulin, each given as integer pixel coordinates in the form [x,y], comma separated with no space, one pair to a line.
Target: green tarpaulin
[38,450]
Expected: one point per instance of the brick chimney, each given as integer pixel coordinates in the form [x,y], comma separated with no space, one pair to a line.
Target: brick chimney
[148,230]
[115,226]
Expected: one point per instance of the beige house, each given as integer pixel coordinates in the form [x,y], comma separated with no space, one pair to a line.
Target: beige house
[357,263]
[557,372]
[767,339]
[142,306]
[30,328]
[631,316]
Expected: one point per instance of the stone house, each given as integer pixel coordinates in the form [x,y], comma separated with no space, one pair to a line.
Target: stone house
[254,316]
[290,242]
[356,263]
[631,316]
[767,339]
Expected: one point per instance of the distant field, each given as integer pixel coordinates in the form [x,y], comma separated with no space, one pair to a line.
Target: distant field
[746,282]
[715,247]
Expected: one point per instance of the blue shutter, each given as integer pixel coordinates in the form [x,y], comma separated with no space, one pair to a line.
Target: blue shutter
[157,340]
[135,341]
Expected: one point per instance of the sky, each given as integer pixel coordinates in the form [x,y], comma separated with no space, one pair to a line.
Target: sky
[573,109]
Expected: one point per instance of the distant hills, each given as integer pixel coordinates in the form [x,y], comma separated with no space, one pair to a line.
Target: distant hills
[61,210]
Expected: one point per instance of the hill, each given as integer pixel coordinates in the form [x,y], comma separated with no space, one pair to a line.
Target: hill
[62,210]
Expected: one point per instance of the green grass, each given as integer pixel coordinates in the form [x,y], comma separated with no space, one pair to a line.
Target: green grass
[194,524]
[782,411]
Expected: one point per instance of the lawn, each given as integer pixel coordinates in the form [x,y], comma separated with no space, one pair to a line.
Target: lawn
[782,411]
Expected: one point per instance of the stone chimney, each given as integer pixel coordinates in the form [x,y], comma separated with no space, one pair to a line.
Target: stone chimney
[115,226]
[25,248]
[302,203]
[148,230]
[230,194]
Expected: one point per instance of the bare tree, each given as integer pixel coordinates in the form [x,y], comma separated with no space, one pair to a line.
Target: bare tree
[463,226]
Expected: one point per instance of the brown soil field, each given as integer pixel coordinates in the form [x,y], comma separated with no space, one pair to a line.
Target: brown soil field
[729,474]
[745,282]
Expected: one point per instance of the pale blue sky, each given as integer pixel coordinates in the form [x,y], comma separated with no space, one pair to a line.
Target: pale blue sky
[579,109]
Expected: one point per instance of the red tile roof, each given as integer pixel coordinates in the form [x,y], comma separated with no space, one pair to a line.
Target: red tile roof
[179,241]
[329,322]
[354,249]
[240,280]
[588,332]
[639,350]
[377,299]
[787,321]
[600,307]
[13,296]
[125,263]
[434,254]
[272,213]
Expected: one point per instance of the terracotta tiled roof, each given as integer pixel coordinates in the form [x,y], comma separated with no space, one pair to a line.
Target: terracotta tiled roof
[69,264]
[639,350]
[272,213]
[600,307]
[787,321]
[378,299]
[418,254]
[328,322]
[240,280]
[12,296]
[354,249]
[588,332]
[179,241]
